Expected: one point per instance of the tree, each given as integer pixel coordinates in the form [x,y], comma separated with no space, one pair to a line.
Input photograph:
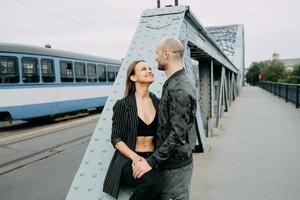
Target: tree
[296,70]
[273,71]
[294,76]
[254,72]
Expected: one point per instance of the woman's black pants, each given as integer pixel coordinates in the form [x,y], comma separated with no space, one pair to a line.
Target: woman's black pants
[146,188]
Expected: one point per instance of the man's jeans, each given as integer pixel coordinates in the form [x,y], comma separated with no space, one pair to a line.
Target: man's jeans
[177,183]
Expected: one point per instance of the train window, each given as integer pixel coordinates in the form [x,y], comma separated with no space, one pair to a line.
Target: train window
[92,72]
[66,71]
[9,72]
[48,73]
[30,71]
[102,73]
[111,73]
[80,74]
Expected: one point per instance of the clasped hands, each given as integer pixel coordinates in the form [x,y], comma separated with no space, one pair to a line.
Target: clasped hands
[139,167]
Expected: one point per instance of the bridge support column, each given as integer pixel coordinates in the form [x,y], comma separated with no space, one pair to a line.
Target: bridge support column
[228,82]
[205,93]
[219,92]
[225,91]
[193,72]
[211,121]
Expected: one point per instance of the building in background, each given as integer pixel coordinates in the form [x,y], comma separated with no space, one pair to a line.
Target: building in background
[288,63]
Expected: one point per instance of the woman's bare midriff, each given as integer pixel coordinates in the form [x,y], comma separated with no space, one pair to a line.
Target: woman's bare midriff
[144,144]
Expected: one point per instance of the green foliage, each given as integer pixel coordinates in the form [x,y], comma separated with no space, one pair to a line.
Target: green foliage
[253,73]
[296,70]
[273,71]
[293,76]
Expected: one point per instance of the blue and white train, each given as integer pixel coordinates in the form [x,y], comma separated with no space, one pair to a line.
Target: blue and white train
[38,82]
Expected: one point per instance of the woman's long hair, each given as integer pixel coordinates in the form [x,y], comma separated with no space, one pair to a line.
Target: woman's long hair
[130,86]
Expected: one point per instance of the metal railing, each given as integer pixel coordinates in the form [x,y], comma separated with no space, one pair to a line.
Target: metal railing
[290,92]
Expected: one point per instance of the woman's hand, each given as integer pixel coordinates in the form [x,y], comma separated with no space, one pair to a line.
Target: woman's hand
[140,168]
[136,159]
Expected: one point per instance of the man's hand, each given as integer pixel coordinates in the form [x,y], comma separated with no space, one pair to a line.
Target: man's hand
[140,168]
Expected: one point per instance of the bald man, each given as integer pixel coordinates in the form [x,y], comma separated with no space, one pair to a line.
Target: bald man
[177,108]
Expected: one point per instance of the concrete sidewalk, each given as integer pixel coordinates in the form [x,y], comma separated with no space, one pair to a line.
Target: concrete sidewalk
[255,153]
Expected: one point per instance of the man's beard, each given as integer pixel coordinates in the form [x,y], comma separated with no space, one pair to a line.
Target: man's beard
[161,67]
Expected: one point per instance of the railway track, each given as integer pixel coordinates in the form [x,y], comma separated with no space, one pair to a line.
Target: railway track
[9,139]
[24,131]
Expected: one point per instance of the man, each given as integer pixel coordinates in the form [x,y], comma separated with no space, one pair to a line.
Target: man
[177,109]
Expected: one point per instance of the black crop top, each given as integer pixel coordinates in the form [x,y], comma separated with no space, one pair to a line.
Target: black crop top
[147,130]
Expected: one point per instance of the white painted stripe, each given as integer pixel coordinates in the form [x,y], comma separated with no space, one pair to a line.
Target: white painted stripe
[24,96]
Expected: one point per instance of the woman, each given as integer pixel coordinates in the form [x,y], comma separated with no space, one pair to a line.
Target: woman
[134,129]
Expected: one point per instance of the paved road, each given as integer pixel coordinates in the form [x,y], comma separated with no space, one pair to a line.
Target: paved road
[255,154]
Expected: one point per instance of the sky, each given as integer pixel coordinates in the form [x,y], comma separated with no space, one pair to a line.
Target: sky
[105,28]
